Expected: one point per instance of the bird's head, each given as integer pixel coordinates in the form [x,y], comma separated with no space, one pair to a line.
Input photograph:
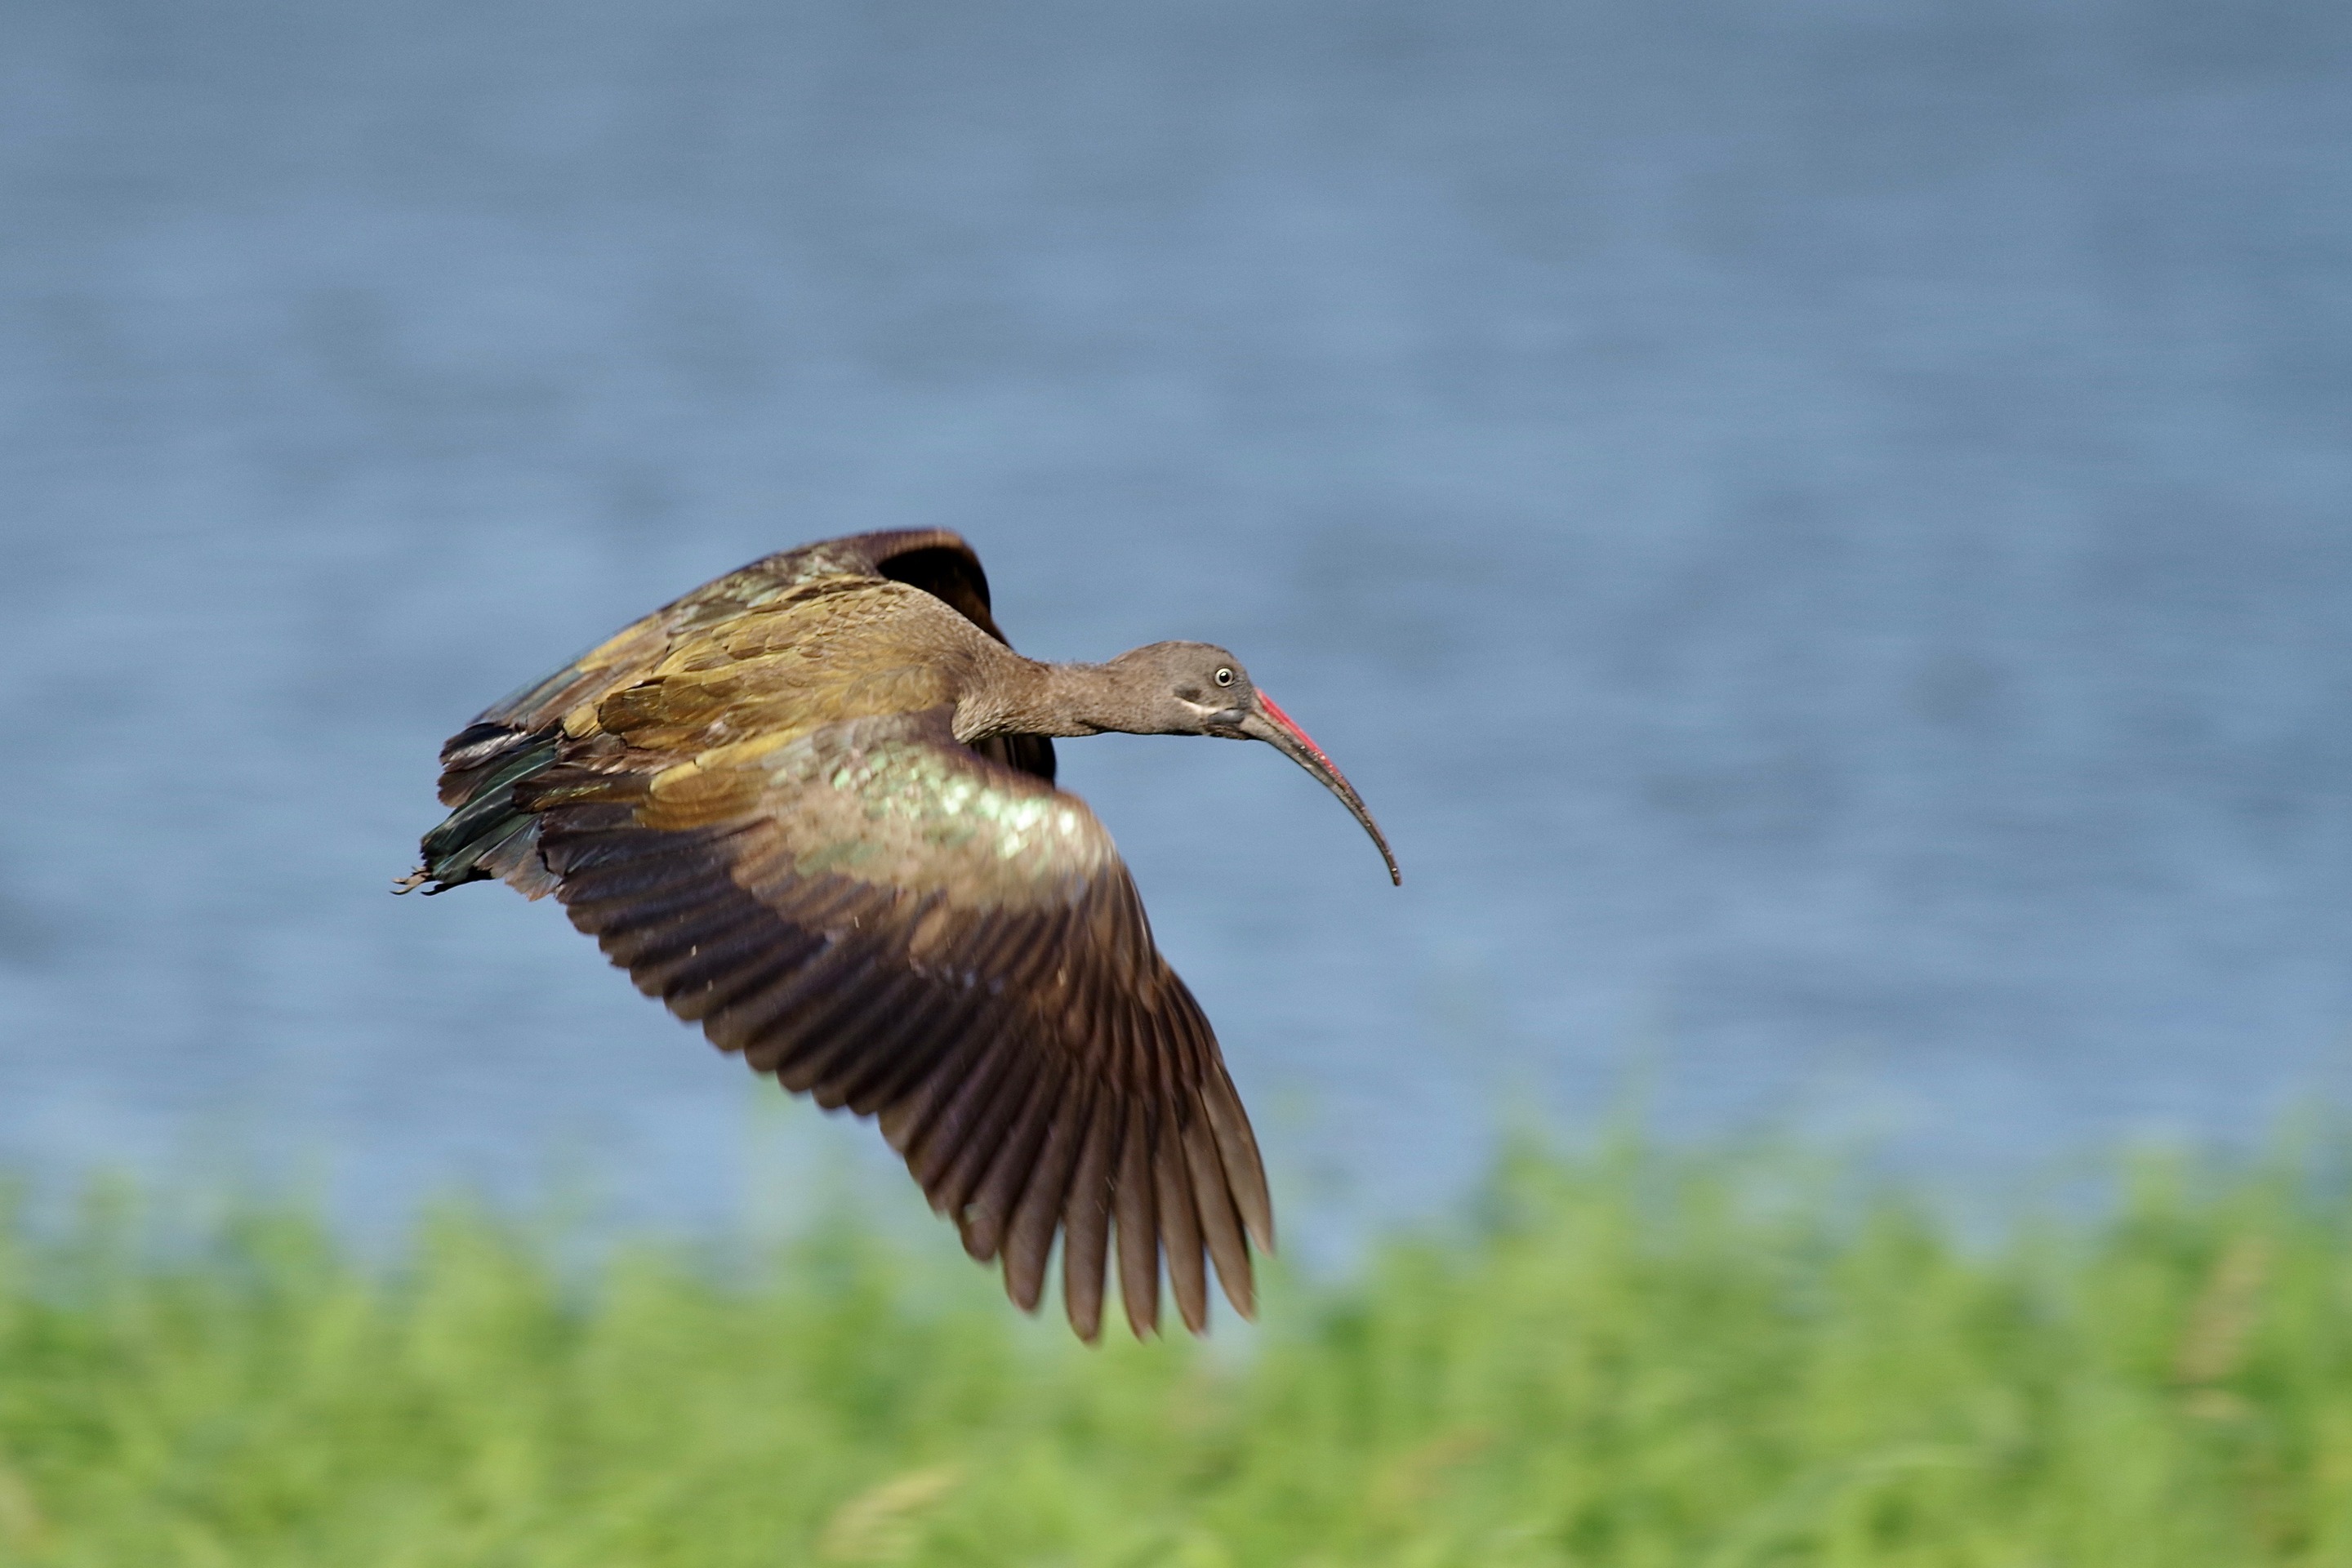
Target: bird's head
[1200,688]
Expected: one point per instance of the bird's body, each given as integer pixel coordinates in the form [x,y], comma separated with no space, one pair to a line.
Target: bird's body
[810,805]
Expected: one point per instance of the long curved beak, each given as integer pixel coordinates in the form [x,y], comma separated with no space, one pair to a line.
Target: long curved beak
[1262,721]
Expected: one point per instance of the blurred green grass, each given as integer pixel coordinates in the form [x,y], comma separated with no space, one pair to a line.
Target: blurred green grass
[1621,1357]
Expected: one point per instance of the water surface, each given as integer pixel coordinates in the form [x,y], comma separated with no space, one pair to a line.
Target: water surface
[1820,528]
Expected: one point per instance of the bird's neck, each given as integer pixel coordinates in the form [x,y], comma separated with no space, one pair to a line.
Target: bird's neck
[1024,697]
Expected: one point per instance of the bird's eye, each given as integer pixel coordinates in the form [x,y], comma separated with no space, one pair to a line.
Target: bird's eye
[1224,677]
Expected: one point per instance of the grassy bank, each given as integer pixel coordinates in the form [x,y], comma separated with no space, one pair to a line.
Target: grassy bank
[1625,1360]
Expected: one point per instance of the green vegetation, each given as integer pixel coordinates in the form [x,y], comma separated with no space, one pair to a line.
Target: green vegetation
[1625,1359]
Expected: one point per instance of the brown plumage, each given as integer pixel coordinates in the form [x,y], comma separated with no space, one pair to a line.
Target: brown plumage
[810,805]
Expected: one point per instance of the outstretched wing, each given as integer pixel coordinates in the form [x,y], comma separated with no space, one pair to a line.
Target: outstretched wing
[485,835]
[890,922]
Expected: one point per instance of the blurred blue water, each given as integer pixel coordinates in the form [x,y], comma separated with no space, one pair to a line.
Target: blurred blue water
[1820,528]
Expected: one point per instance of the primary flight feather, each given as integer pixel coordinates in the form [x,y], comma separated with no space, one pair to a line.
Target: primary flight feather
[810,805]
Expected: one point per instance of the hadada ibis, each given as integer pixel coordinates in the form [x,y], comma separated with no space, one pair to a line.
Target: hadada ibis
[810,806]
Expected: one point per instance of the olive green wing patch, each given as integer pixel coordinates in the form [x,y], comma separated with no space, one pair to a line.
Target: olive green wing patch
[521,734]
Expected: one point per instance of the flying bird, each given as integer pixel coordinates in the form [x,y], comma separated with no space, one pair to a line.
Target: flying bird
[810,806]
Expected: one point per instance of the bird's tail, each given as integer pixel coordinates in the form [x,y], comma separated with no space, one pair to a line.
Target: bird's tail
[488,835]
